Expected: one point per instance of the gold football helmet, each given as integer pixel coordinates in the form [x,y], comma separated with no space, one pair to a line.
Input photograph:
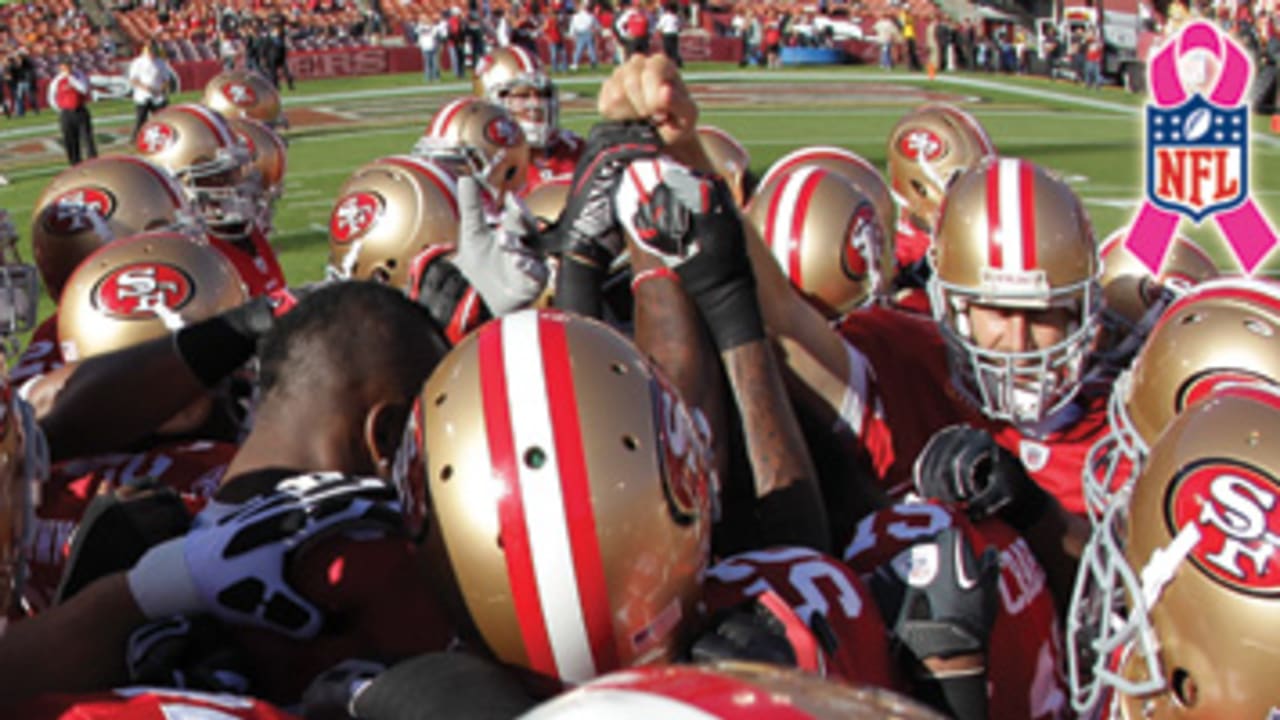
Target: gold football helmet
[1129,289]
[730,159]
[97,201]
[826,237]
[244,93]
[267,151]
[726,689]
[1224,330]
[852,166]
[143,287]
[504,71]
[928,148]
[199,148]
[547,201]
[1173,613]
[386,213]
[577,534]
[481,139]
[1013,237]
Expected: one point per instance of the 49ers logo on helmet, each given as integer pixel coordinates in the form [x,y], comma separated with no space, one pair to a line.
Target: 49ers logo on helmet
[921,143]
[239,94]
[862,243]
[354,215]
[1205,383]
[73,211]
[156,137]
[1235,510]
[139,291]
[502,131]
[686,469]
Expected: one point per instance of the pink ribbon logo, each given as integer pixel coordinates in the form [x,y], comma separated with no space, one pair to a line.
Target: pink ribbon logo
[1198,153]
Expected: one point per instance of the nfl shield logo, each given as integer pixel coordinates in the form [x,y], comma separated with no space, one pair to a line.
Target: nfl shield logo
[1197,158]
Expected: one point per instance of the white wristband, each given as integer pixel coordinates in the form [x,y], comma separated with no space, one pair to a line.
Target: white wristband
[161,583]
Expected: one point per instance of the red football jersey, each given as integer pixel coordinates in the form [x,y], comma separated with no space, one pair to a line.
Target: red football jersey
[900,387]
[259,269]
[556,160]
[42,354]
[1055,459]
[810,582]
[1025,664]
[192,467]
[910,244]
[146,703]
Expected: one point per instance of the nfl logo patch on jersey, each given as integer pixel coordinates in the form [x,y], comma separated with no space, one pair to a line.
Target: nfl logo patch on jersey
[1197,157]
[1035,456]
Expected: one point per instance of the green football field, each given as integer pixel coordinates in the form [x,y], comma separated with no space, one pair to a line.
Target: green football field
[1091,138]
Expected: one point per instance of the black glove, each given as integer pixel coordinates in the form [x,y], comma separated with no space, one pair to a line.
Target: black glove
[693,225]
[449,298]
[587,234]
[332,694]
[189,653]
[587,231]
[215,347]
[757,630]
[965,465]
[949,599]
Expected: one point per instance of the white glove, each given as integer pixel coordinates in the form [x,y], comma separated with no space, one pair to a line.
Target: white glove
[494,259]
[234,561]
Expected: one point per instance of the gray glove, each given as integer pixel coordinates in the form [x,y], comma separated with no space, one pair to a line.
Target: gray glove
[495,259]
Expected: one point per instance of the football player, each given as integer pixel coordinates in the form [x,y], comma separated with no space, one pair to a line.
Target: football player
[516,79]
[1174,605]
[216,171]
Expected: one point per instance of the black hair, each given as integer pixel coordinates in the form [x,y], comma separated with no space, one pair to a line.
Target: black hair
[348,333]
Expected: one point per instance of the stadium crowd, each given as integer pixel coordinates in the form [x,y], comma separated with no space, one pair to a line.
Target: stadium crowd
[612,427]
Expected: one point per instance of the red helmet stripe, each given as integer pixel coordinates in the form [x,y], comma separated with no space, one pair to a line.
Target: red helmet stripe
[165,179]
[1256,391]
[215,123]
[576,488]
[1234,289]
[815,154]
[795,236]
[1027,196]
[522,56]
[444,117]
[511,514]
[443,181]
[995,252]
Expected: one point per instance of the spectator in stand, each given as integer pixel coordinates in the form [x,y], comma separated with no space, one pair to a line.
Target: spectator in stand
[69,93]
[886,32]
[908,23]
[583,26]
[150,78]
[942,37]
[553,31]
[277,56]
[430,34]
[502,29]
[669,29]
[227,50]
[475,37]
[633,26]
[25,97]
[457,37]
[773,42]
[254,39]
[9,82]
[1093,61]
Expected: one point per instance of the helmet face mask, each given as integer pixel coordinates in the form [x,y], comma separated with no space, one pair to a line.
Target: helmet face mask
[1020,387]
[1014,255]
[1176,589]
[535,105]
[516,80]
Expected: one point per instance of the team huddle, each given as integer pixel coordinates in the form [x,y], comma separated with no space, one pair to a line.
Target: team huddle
[611,427]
